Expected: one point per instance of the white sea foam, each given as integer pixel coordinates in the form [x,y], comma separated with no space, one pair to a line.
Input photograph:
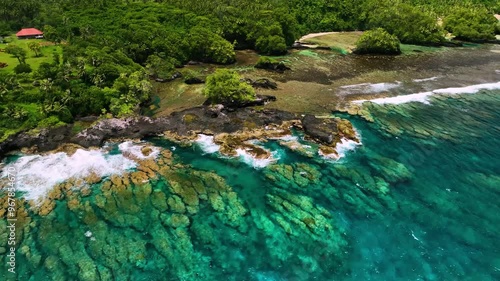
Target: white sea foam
[346,145]
[342,148]
[254,162]
[420,97]
[426,79]
[372,88]
[207,144]
[135,150]
[286,138]
[37,174]
[424,96]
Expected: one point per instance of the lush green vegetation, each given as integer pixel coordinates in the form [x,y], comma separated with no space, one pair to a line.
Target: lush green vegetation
[104,53]
[378,41]
[472,24]
[225,86]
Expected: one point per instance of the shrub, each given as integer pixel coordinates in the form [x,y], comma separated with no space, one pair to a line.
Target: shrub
[52,121]
[410,24]
[271,45]
[271,64]
[471,24]
[226,86]
[22,68]
[378,41]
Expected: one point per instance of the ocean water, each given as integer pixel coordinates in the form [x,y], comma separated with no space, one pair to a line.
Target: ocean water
[418,200]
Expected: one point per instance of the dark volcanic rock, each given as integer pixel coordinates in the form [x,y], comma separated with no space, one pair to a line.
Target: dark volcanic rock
[136,127]
[321,130]
[45,139]
[259,100]
[168,79]
[274,66]
[264,83]
[194,80]
[216,119]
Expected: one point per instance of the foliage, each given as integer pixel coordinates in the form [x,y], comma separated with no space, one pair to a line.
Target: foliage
[271,45]
[110,49]
[225,86]
[409,23]
[471,24]
[36,48]
[18,52]
[378,41]
[22,68]
[51,121]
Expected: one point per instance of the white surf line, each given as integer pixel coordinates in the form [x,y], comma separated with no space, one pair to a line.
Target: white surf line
[38,174]
[426,79]
[207,144]
[424,96]
[255,162]
[135,150]
[372,88]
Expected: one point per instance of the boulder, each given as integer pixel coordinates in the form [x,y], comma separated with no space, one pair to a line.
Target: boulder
[322,130]
[194,80]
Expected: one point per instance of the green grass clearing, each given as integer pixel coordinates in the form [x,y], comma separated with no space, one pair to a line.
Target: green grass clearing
[342,42]
[33,61]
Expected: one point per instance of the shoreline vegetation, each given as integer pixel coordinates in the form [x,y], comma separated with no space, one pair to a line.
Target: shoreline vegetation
[105,55]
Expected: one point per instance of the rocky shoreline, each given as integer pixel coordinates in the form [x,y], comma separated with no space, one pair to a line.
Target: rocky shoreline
[231,127]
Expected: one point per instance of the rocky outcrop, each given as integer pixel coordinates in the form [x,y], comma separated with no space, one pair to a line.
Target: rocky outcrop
[233,128]
[273,65]
[174,76]
[258,101]
[217,119]
[263,83]
[194,80]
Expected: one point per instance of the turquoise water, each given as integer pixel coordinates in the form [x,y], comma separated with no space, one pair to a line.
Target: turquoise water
[419,200]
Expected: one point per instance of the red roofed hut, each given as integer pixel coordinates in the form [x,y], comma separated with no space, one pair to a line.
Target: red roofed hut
[27,33]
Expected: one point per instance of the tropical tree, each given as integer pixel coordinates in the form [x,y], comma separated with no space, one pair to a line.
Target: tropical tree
[36,48]
[378,41]
[471,24]
[225,86]
[18,52]
[409,23]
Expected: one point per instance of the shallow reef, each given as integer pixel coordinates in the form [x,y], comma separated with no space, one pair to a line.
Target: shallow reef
[417,201]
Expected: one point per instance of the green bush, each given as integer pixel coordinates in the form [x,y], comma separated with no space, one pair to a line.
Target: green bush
[264,61]
[471,24]
[271,45]
[226,86]
[378,41]
[22,68]
[52,121]
[409,23]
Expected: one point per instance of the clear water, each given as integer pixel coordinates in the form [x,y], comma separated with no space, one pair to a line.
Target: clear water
[419,200]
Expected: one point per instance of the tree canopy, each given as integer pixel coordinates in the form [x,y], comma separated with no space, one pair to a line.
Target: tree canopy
[225,86]
[471,24]
[111,49]
[378,41]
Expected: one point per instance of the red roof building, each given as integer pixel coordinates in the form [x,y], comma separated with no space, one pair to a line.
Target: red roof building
[29,33]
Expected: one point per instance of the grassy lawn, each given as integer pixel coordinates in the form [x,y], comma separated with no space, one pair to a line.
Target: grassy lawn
[345,41]
[33,61]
